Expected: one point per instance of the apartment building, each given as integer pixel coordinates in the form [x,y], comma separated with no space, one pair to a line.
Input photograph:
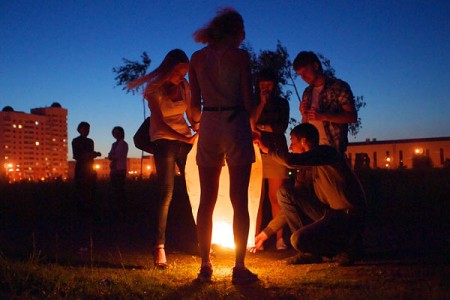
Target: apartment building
[33,145]
[394,154]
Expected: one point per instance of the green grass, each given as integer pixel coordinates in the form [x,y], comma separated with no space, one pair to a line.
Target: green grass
[406,241]
[369,280]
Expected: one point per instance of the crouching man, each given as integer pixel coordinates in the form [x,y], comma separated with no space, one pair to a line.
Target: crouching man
[326,218]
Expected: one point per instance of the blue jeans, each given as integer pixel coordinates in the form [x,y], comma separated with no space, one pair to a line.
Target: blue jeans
[167,154]
[315,227]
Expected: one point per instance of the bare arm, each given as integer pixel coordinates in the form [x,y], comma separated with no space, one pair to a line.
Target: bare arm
[259,108]
[195,109]
[246,88]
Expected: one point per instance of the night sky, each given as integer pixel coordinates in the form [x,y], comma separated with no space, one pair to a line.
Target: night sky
[394,53]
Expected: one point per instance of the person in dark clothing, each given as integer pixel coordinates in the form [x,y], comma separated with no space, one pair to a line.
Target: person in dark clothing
[272,119]
[118,171]
[325,221]
[85,175]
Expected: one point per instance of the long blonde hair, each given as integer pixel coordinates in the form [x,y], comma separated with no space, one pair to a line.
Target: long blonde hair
[160,75]
[227,23]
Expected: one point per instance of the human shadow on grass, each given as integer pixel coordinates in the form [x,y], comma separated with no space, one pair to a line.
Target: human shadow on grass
[197,289]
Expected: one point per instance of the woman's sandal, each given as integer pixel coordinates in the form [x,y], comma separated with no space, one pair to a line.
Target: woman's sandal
[159,265]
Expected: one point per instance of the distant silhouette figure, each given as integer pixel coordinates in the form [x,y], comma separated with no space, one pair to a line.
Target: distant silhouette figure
[118,171]
[220,77]
[168,96]
[272,119]
[85,175]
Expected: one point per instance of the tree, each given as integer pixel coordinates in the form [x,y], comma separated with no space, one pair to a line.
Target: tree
[130,71]
[329,71]
[354,128]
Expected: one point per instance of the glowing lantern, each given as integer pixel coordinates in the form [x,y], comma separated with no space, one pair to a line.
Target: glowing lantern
[223,211]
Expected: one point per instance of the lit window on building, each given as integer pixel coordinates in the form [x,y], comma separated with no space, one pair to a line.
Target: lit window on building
[418,151]
[388,159]
[400,157]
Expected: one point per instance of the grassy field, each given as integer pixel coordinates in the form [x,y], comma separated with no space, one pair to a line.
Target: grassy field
[45,251]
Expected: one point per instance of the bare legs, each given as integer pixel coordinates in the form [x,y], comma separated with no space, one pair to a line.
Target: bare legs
[239,181]
[273,186]
[209,182]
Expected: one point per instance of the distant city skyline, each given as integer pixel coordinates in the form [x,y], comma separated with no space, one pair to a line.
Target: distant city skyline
[394,53]
[34,146]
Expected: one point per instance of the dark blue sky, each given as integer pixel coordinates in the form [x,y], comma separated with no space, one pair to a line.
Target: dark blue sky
[394,53]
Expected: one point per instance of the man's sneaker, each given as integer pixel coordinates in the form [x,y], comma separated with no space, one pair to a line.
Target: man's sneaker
[205,274]
[303,259]
[281,245]
[243,276]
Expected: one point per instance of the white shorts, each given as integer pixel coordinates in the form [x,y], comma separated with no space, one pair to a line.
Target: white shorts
[222,140]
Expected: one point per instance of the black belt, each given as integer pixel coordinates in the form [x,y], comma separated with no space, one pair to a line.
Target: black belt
[223,108]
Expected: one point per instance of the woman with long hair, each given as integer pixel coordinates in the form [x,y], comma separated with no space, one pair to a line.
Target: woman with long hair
[168,96]
[220,77]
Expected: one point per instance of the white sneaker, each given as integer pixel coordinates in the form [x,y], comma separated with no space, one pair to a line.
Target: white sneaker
[281,245]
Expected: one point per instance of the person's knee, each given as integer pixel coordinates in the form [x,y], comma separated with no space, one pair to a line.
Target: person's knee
[300,241]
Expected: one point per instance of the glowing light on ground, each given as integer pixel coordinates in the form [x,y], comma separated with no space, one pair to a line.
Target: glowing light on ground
[223,234]
[223,213]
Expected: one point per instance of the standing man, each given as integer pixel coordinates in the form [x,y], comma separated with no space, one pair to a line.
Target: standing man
[327,102]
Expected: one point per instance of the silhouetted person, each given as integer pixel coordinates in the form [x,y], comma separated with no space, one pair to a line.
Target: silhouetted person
[118,171]
[219,75]
[85,175]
